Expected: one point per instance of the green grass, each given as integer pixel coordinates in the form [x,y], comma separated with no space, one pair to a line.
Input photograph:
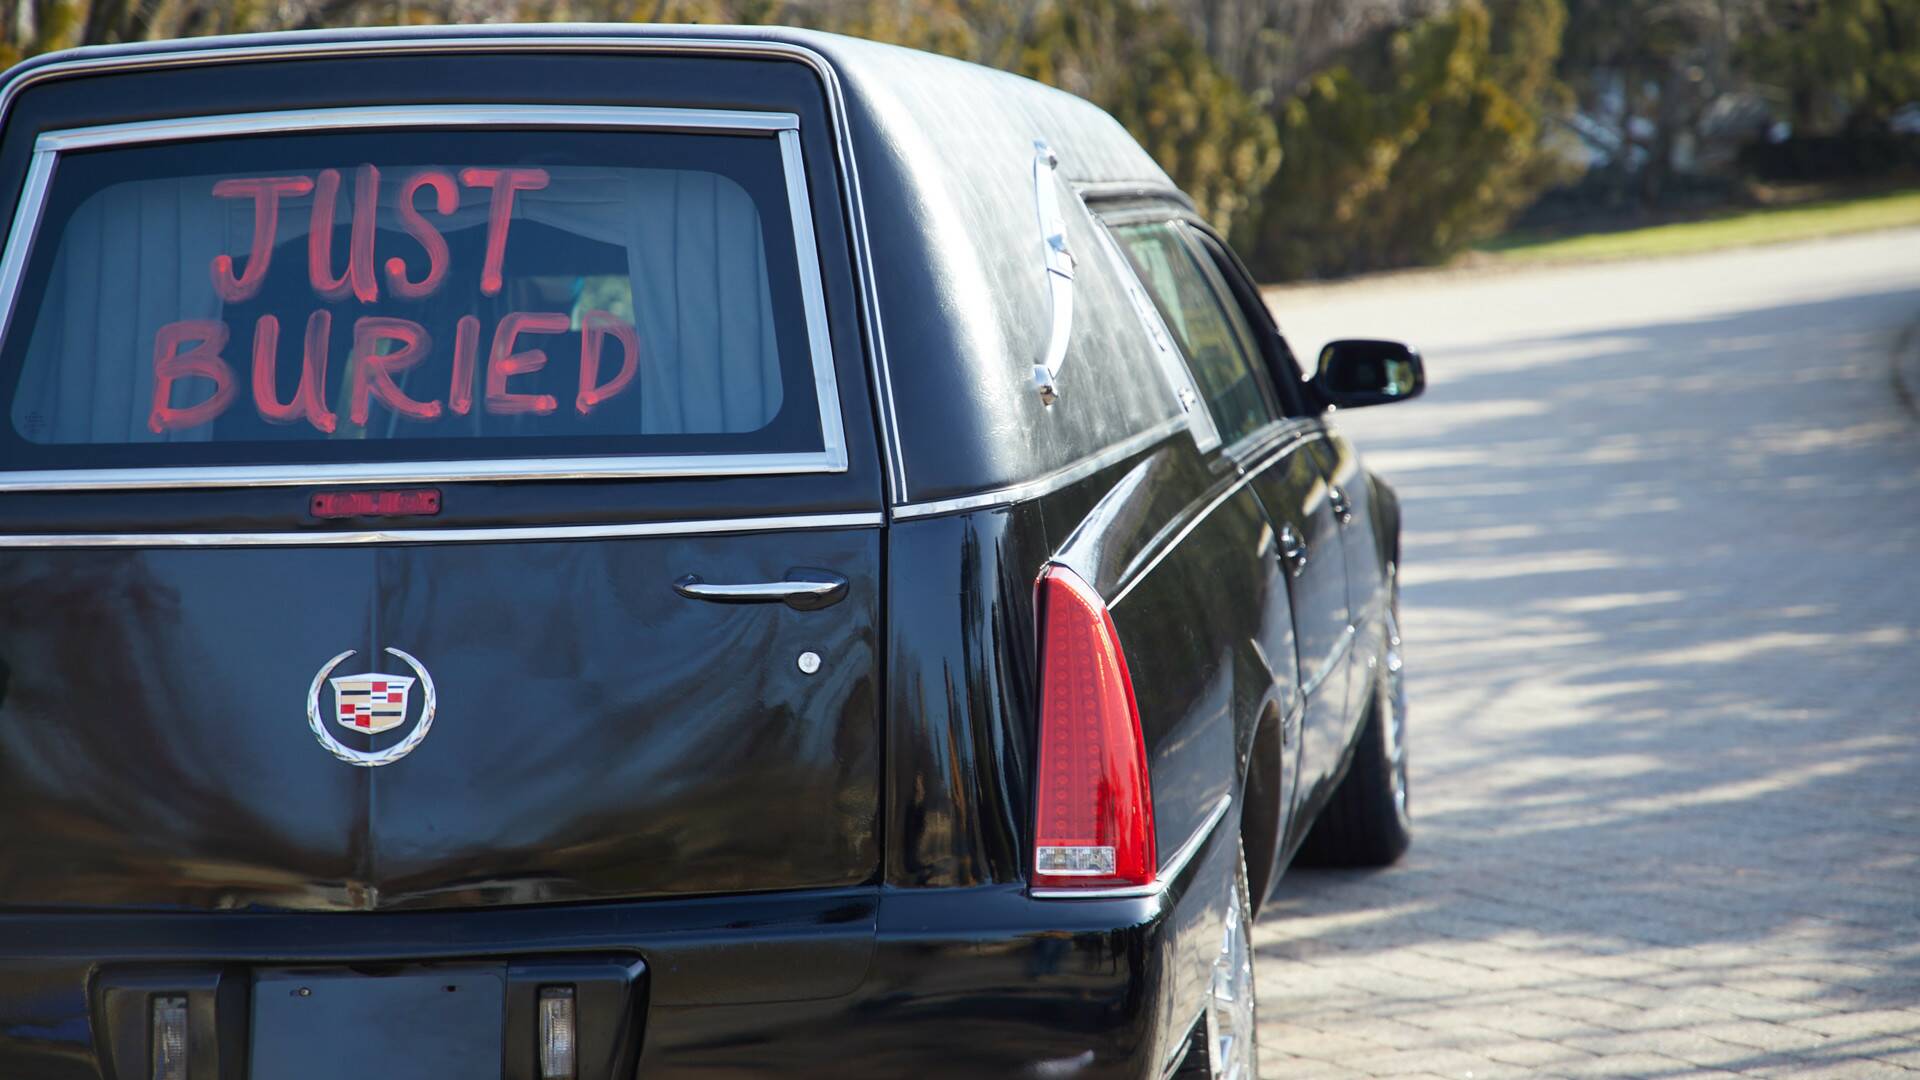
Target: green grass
[1772,225]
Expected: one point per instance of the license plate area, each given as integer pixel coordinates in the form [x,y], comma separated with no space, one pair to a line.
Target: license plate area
[409,1024]
[373,1021]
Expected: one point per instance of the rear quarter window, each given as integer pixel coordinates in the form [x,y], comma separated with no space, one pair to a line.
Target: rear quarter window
[353,293]
[1211,330]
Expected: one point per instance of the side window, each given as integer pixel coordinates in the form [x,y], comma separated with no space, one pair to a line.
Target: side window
[1242,296]
[1215,337]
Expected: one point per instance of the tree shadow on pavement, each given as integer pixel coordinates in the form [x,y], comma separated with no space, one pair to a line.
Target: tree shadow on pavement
[1661,592]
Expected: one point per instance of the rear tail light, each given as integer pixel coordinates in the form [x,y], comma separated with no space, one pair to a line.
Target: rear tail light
[558,1037]
[1093,824]
[169,1054]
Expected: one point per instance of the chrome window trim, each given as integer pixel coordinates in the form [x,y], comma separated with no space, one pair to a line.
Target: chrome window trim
[1231,309]
[1168,873]
[813,296]
[1263,438]
[285,121]
[1122,190]
[893,466]
[415,472]
[1051,482]
[1132,578]
[21,234]
[533,533]
[1179,375]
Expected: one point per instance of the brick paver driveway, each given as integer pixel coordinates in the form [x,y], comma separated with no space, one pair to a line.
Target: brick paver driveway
[1662,605]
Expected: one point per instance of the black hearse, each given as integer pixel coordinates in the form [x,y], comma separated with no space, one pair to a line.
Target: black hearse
[607,552]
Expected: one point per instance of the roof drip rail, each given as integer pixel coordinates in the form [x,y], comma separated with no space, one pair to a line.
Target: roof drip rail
[1059,265]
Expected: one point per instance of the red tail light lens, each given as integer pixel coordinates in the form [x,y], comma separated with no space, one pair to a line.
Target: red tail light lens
[1094,823]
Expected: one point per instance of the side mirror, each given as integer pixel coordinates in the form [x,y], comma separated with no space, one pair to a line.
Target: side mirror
[1357,372]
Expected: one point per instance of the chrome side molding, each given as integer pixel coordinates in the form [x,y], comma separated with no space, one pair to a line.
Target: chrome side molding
[443,535]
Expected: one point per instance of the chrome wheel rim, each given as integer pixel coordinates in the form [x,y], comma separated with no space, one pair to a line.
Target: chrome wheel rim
[1230,1005]
[1394,709]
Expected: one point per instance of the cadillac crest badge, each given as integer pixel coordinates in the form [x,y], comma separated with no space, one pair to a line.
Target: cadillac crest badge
[371,704]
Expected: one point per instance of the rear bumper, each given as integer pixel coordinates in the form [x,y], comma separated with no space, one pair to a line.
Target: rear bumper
[849,983]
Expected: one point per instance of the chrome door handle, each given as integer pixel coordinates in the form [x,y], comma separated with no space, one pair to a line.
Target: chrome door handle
[803,590]
[1294,550]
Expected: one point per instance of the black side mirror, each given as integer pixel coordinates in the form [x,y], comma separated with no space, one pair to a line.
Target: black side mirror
[1358,372]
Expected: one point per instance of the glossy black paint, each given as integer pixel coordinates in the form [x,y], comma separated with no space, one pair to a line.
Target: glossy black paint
[936,982]
[821,875]
[584,748]
[961,679]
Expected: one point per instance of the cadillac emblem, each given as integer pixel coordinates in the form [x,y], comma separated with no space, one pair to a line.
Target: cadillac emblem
[370,704]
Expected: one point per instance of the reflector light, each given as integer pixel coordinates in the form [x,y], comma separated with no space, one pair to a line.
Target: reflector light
[557,1033]
[344,504]
[1093,823]
[169,1038]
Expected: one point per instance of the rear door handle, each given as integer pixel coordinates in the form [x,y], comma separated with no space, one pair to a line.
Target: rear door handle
[803,590]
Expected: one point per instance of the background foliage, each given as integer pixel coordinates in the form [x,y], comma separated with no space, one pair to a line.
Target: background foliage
[1415,142]
[1329,136]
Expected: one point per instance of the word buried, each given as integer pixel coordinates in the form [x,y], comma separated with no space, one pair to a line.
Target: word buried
[373,370]
[383,347]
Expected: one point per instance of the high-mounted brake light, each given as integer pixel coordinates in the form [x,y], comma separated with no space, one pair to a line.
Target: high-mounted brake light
[1093,826]
[402,503]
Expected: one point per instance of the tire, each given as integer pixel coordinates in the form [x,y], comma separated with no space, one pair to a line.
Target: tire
[1225,1044]
[1367,821]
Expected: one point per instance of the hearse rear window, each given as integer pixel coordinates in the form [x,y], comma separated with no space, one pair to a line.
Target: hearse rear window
[417,293]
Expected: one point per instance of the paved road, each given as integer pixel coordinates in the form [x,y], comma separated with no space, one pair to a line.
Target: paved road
[1662,570]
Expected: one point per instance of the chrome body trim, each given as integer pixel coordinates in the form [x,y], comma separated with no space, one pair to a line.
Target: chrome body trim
[1168,872]
[1335,657]
[1206,435]
[1114,190]
[415,472]
[1051,482]
[1263,438]
[1296,718]
[405,116]
[813,298]
[1301,435]
[26,218]
[833,456]
[523,534]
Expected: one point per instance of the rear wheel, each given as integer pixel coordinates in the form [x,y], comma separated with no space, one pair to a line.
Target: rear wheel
[1225,1046]
[1367,822]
